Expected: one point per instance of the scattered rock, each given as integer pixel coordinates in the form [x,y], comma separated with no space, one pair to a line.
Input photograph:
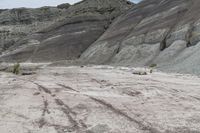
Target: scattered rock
[140,73]
[28,73]
[36,93]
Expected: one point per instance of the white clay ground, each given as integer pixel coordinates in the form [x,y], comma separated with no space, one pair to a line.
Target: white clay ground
[99,99]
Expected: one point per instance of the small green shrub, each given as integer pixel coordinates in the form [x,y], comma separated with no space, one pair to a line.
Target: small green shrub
[153,65]
[16,69]
[151,71]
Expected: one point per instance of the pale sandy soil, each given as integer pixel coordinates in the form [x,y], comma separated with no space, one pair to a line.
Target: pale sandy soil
[99,100]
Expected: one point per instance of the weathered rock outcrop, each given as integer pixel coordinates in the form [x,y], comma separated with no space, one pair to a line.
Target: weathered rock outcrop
[85,22]
[162,32]
[64,6]
[18,23]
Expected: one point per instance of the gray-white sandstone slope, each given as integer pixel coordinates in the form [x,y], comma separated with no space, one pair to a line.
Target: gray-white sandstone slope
[162,32]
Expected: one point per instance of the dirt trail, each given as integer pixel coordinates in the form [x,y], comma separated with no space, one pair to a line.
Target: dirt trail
[99,99]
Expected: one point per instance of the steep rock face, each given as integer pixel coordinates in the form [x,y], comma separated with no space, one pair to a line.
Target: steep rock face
[85,22]
[162,32]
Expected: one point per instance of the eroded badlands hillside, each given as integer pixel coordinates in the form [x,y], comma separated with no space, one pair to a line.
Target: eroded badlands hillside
[160,32]
[79,26]
[20,22]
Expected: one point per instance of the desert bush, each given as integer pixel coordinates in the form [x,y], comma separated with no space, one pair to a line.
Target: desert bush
[151,71]
[153,65]
[16,69]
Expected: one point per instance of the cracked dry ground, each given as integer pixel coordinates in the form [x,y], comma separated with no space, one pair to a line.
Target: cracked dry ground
[99,100]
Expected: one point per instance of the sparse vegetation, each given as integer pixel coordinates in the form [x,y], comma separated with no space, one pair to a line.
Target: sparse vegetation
[16,69]
[153,65]
[151,70]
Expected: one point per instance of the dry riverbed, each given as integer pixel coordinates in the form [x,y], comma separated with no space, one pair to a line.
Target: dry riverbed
[99,99]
